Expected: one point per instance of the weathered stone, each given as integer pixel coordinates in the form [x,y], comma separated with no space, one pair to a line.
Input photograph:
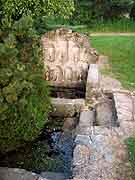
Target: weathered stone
[103,62]
[87,118]
[67,56]
[53,176]
[106,115]
[81,159]
[124,106]
[108,83]
[18,174]
[108,153]
[83,139]
[93,82]
[104,162]
[66,107]
[70,123]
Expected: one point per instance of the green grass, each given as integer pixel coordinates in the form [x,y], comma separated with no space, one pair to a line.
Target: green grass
[122,25]
[121,53]
[131,151]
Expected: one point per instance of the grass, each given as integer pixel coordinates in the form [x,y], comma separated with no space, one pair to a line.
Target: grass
[121,53]
[122,25]
[131,151]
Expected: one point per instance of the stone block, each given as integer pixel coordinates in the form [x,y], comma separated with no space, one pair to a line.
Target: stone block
[93,81]
[53,176]
[66,107]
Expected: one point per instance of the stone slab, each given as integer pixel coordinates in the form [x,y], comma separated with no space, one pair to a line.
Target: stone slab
[18,174]
[53,176]
[66,107]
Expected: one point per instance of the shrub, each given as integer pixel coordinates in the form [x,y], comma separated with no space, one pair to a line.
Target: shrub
[89,11]
[13,10]
[24,101]
[132,13]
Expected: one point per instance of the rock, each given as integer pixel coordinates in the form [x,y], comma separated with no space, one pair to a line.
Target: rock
[109,83]
[81,159]
[18,174]
[70,123]
[106,115]
[103,62]
[53,176]
[67,56]
[102,160]
[93,82]
[66,107]
[124,106]
[87,118]
[93,76]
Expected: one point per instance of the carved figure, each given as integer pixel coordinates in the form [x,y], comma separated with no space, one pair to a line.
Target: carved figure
[67,57]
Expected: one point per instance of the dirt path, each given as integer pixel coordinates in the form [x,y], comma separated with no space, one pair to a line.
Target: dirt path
[113,34]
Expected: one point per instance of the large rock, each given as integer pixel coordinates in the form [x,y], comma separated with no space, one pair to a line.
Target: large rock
[67,56]
[18,174]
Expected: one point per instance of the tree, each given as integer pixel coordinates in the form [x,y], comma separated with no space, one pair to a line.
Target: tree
[89,10]
[132,13]
[12,10]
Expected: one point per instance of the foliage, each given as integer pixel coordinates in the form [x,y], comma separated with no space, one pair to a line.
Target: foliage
[13,10]
[111,9]
[83,13]
[121,55]
[24,101]
[87,11]
[130,142]
[132,13]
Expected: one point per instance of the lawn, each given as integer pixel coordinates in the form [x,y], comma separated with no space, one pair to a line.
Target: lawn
[121,53]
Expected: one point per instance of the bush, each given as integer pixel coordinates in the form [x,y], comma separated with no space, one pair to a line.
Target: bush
[24,101]
[132,13]
[88,12]
[14,10]
[82,14]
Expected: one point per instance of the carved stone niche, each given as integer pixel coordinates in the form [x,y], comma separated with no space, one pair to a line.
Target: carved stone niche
[67,56]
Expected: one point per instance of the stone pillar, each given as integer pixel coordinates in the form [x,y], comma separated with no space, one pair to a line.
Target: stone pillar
[93,82]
